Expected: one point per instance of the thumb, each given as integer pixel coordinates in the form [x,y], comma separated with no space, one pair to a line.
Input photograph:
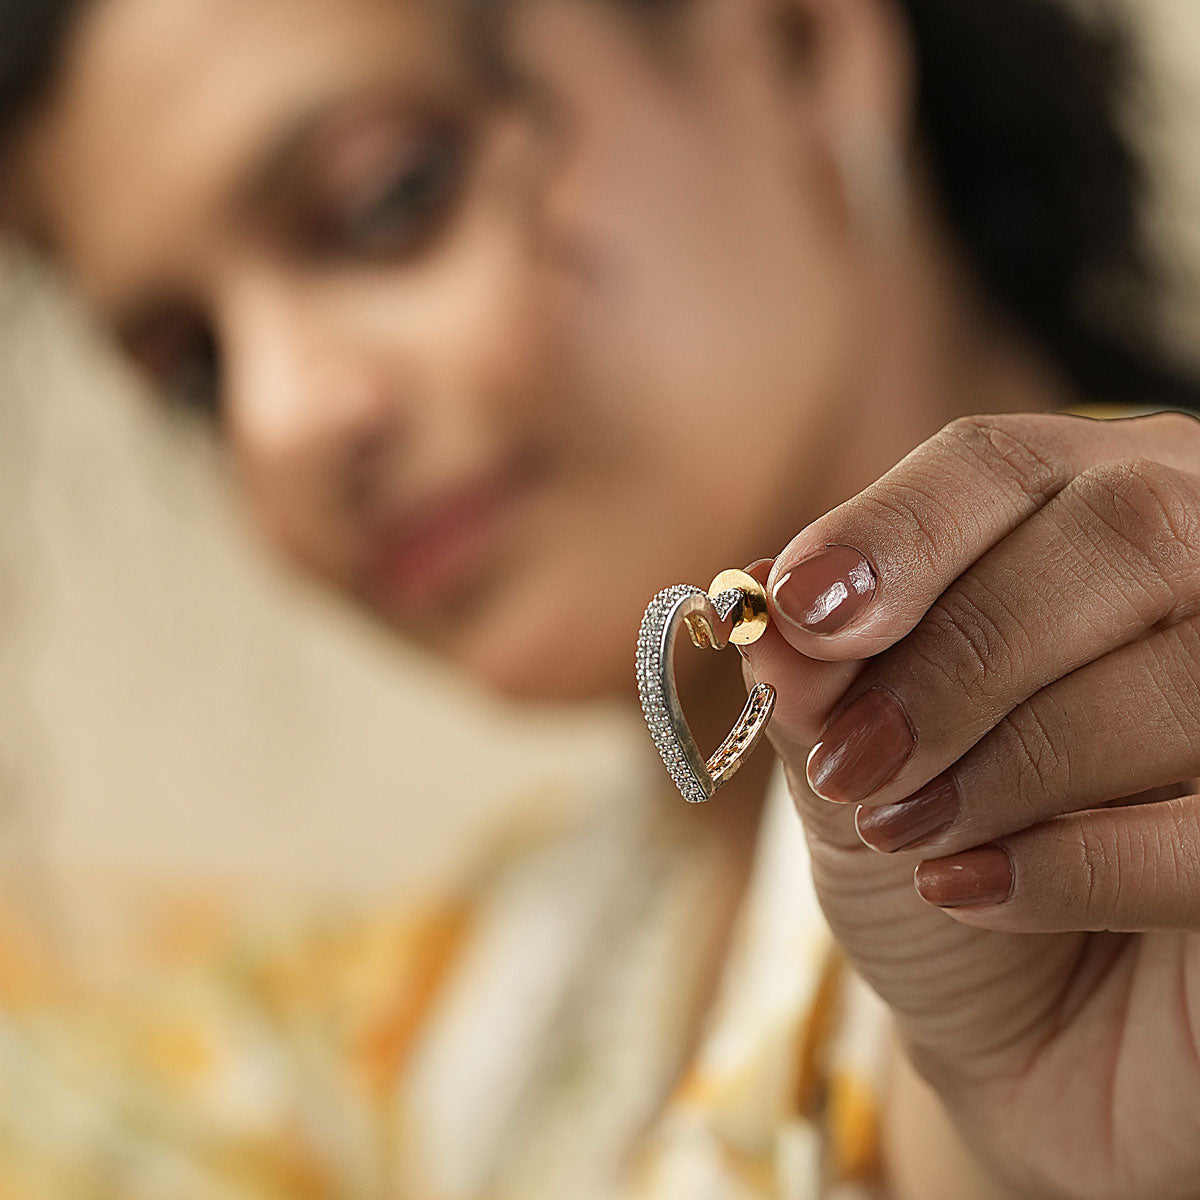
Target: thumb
[806,688]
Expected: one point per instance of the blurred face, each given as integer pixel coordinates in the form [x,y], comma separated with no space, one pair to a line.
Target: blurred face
[500,367]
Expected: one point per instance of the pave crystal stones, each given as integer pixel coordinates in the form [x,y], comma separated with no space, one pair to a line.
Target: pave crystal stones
[735,597]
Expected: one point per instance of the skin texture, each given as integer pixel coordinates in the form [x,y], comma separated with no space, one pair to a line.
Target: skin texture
[1036,623]
[500,366]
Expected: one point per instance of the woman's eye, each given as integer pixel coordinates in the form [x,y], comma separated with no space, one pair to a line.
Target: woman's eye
[195,381]
[402,215]
[184,362]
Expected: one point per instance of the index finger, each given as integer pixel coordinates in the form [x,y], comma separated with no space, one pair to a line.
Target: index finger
[861,578]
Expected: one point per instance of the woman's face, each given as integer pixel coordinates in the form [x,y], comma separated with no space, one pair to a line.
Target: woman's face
[498,365]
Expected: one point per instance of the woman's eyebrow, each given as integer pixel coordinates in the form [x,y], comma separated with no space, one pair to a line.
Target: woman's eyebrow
[129,306]
[275,167]
[279,167]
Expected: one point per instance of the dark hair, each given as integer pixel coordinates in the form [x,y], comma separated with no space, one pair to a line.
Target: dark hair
[1022,108]
[31,37]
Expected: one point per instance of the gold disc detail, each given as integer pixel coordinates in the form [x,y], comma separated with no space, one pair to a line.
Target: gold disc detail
[753,620]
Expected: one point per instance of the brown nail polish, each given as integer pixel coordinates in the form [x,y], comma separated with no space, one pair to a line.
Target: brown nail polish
[827,592]
[903,826]
[862,749]
[978,879]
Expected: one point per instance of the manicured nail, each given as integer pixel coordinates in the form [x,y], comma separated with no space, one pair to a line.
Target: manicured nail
[827,592]
[862,749]
[902,826]
[978,879]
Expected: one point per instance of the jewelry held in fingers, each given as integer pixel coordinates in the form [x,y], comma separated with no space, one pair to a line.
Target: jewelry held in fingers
[733,611]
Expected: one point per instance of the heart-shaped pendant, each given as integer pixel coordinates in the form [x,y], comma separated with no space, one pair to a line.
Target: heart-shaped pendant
[734,597]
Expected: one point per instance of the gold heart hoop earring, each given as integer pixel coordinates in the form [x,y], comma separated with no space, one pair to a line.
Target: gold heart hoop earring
[733,610]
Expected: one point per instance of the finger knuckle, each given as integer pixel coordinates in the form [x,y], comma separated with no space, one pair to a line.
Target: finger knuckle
[1172,664]
[971,641]
[1001,447]
[1103,875]
[1132,875]
[914,518]
[1033,737]
[1149,508]
[1182,840]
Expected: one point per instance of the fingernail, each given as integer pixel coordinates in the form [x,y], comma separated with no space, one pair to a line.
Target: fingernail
[862,749]
[827,592]
[902,826]
[978,879]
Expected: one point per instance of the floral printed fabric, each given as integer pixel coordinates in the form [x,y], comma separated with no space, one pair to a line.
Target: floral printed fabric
[531,1036]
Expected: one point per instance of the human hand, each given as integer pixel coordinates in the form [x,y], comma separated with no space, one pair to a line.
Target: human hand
[1025,593]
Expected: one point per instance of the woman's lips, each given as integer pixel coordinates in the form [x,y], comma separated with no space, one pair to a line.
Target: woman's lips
[443,543]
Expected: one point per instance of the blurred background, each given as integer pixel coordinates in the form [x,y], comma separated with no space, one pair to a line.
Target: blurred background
[172,701]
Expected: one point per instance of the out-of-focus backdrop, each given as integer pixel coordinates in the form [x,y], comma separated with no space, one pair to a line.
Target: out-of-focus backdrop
[172,702]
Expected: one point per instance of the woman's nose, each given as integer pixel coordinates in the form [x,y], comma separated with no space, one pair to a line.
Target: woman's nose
[311,411]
